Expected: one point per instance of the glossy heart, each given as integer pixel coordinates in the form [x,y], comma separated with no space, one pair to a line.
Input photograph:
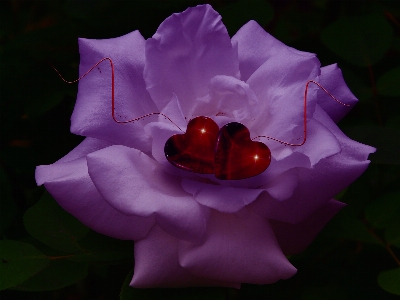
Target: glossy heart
[229,153]
[194,150]
[237,156]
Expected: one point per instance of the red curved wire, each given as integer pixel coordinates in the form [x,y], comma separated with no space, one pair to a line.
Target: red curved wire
[304,114]
[113,93]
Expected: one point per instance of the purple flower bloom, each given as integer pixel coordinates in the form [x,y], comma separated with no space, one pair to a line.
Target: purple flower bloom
[192,229]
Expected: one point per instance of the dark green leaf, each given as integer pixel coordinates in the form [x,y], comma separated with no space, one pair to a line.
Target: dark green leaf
[293,25]
[50,224]
[383,209]
[388,83]
[392,232]
[360,89]
[347,223]
[341,194]
[18,262]
[390,281]
[97,247]
[239,13]
[347,226]
[8,209]
[380,137]
[361,41]
[47,100]
[127,292]
[356,196]
[59,274]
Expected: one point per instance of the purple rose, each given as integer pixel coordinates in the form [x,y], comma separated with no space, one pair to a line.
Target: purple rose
[192,229]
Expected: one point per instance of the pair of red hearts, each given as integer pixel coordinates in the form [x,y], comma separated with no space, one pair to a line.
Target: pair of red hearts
[229,153]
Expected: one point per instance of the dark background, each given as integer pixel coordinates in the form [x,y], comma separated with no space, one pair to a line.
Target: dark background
[357,254]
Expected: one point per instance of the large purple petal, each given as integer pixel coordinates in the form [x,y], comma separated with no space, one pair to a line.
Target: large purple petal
[317,185]
[236,249]
[282,186]
[279,85]
[69,183]
[88,145]
[231,196]
[188,50]
[133,183]
[92,112]
[277,74]
[256,46]
[320,142]
[294,238]
[280,178]
[222,198]
[331,79]
[157,265]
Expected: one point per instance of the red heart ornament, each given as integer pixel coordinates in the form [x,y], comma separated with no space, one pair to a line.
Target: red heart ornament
[237,156]
[194,150]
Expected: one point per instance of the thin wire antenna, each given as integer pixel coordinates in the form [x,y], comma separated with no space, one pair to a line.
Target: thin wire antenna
[167,118]
[113,94]
[305,115]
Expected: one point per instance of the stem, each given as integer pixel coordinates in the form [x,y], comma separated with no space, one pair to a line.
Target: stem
[392,18]
[387,246]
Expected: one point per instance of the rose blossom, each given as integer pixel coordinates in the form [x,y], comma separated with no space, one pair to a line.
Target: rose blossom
[192,229]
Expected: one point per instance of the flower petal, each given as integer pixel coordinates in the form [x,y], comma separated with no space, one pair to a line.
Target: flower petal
[283,186]
[256,46]
[69,183]
[242,250]
[162,130]
[187,50]
[320,143]
[222,198]
[279,84]
[133,183]
[174,112]
[92,112]
[88,145]
[317,185]
[351,150]
[331,79]
[233,98]
[279,179]
[294,160]
[160,133]
[277,74]
[156,264]
[296,238]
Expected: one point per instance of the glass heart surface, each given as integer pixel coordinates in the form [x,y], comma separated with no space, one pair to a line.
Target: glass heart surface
[237,156]
[194,150]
